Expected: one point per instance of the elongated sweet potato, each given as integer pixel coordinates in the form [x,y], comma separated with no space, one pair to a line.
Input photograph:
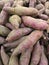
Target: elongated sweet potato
[30,41]
[15,20]
[4,31]
[20,10]
[25,57]
[36,54]
[27,43]
[16,34]
[11,45]
[43,60]
[4,56]
[35,23]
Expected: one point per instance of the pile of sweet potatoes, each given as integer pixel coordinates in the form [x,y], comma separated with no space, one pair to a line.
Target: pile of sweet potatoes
[24,32]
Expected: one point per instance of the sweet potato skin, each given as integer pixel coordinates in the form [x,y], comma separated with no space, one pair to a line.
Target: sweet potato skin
[28,42]
[10,45]
[35,23]
[16,34]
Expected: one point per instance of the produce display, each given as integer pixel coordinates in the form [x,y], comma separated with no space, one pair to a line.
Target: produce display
[24,32]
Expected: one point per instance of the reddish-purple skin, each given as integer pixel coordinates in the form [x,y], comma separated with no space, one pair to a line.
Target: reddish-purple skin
[9,26]
[16,34]
[27,43]
[35,23]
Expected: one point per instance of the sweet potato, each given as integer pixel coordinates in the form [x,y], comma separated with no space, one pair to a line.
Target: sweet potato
[43,16]
[3,14]
[11,45]
[43,60]
[36,54]
[2,40]
[25,57]
[27,43]
[16,34]
[22,25]
[34,23]
[32,3]
[15,20]
[9,25]
[30,41]
[21,10]
[4,56]
[4,31]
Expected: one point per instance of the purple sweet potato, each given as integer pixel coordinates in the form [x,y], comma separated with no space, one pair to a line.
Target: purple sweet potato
[36,54]
[16,34]
[34,23]
[25,57]
[4,56]
[43,60]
